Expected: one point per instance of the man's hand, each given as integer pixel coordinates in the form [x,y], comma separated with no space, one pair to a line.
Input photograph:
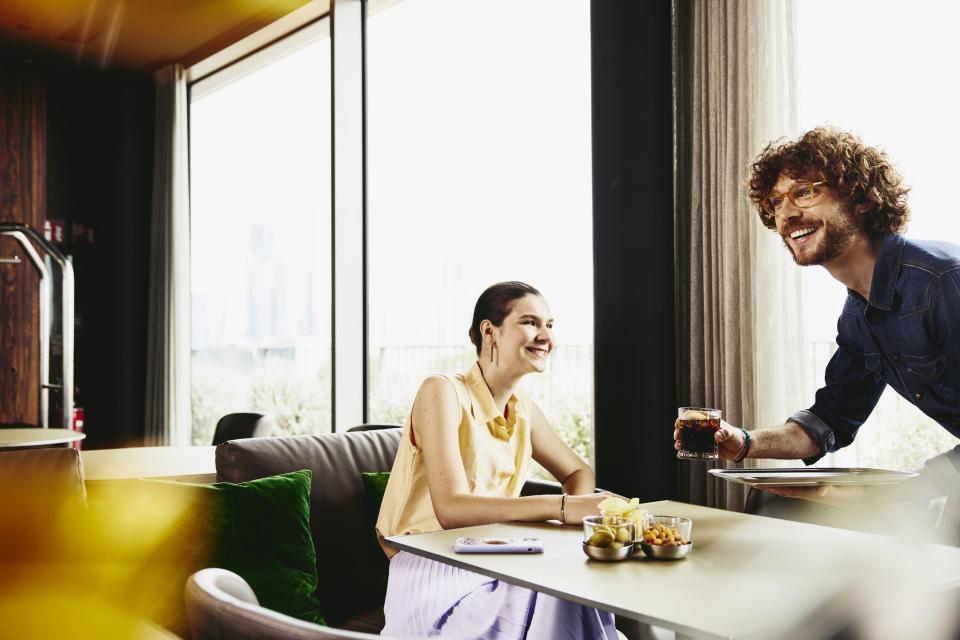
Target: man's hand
[827,494]
[729,439]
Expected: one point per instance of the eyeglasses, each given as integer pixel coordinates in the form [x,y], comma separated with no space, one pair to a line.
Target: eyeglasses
[802,194]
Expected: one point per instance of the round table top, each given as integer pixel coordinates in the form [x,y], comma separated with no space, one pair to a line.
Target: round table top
[37,437]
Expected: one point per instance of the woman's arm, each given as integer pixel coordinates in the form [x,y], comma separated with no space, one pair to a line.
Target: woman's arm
[435,422]
[557,458]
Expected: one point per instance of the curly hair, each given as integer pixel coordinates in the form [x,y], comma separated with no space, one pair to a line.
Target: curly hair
[861,175]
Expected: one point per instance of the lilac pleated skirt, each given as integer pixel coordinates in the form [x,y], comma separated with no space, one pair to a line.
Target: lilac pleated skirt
[429,599]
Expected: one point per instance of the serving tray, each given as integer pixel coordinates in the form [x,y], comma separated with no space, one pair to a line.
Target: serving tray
[811,476]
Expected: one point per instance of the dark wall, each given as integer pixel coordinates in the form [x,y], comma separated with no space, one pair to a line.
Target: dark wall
[77,145]
[635,396]
[100,172]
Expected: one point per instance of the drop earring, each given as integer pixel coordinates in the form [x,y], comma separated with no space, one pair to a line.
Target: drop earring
[494,348]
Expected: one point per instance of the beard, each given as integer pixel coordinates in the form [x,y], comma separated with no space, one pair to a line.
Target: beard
[838,234]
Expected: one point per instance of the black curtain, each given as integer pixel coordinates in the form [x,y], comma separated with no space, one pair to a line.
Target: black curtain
[635,359]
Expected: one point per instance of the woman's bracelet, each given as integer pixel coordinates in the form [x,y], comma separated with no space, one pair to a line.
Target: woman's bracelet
[563,504]
[746,446]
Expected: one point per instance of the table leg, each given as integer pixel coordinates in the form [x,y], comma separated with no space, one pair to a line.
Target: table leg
[635,630]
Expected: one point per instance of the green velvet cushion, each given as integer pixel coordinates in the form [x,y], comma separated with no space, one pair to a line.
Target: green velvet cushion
[261,532]
[258,529]
[375,484]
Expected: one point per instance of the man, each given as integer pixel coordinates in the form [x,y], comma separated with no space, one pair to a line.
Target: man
[840,204]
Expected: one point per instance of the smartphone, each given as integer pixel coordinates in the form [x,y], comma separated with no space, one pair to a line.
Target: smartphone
[498,545]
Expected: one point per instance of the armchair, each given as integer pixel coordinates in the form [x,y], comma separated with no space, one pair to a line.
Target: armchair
[221,606]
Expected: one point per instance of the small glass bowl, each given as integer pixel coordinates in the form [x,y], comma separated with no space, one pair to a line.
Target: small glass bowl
[672,546]
[607,538]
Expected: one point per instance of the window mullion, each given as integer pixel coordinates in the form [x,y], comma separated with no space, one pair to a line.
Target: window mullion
[349,215]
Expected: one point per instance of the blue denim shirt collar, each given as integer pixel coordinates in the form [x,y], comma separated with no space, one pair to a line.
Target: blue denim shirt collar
[886,270]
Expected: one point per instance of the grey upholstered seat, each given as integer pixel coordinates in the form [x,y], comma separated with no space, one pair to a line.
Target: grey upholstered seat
[349,592]
[243,425]
[350,584]
[49,475]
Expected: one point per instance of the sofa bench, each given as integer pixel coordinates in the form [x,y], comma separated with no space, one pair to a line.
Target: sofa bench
[349,561]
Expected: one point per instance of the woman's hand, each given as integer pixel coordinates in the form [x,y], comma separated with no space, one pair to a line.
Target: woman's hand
[579,507]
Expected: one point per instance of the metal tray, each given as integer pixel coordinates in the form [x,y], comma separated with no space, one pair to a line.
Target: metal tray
[811,476]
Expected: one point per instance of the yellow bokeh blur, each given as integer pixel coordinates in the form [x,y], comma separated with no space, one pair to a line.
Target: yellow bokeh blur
[97,566]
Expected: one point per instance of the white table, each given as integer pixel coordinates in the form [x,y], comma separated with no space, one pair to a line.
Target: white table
[747,576]
[23,438]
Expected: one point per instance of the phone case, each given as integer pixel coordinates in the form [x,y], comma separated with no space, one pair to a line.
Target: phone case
[498,545]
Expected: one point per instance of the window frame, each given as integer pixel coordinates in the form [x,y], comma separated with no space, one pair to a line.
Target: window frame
[616,395]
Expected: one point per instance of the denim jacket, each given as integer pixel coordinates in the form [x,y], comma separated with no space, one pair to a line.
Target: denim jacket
[906,336]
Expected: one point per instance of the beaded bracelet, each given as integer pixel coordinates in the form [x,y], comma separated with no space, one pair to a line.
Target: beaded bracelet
[563,503]
[746,446]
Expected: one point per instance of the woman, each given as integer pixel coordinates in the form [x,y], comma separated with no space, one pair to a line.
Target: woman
[462,461]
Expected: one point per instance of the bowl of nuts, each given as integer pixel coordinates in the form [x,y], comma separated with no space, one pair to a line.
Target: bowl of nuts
[666,537]
[607,538]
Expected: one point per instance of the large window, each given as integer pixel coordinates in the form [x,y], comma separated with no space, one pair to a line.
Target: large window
[479,171]
[884,70]
[260,235]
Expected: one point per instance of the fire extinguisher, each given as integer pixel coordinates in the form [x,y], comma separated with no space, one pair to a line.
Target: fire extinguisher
[77,417]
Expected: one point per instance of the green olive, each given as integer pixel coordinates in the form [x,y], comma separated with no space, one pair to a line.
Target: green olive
[600,539]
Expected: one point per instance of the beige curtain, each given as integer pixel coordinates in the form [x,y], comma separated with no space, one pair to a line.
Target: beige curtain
[168,328]
[738,290]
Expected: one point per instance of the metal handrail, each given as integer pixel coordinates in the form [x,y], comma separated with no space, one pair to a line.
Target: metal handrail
[21,233]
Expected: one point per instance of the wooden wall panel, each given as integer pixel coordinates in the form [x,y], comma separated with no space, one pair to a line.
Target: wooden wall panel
[22,199]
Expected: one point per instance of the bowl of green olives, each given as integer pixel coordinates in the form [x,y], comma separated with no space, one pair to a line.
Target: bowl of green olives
[607,538]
